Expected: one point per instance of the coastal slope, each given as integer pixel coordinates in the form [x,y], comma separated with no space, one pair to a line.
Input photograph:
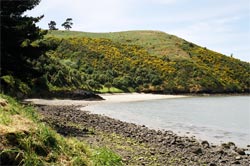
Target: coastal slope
[142,61]
[130,61]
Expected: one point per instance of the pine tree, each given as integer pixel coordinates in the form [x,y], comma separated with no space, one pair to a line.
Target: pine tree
[68,24]
[18,31]
[52,25]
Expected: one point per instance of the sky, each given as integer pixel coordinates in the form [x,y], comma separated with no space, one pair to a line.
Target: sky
[219,25]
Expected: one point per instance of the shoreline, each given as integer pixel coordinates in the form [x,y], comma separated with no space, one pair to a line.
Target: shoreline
[209,132]
[165,147]
[131,97]
[161,147]
[121,98]
[117,97]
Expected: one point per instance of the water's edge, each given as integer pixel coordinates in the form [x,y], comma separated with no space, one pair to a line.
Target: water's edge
[134,112]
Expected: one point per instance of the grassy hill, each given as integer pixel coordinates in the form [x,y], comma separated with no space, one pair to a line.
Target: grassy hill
[142,61]
[149,61]
[157,43]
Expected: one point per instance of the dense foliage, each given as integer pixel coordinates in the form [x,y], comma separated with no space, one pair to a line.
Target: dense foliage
[18,52]
[97,63]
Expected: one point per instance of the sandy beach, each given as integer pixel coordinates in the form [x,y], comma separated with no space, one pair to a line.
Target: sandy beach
[118,97]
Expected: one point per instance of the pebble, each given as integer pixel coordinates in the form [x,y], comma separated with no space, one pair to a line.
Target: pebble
[205,144]
[197,151]
[238,158]
[240,151]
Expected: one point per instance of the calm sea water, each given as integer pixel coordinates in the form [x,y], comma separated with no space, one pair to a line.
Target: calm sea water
[216,119]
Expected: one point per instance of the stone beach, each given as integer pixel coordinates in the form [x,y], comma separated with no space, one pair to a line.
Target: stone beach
[160,147]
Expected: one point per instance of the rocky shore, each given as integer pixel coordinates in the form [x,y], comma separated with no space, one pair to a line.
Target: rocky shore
[139,145]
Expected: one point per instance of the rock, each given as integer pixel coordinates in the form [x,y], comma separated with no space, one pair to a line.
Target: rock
[161,151]
[212,164]
[220,151]
[173,141]
[225,145]
[192,139]
[124,160]
[159,132]
[213,146]
[160,140]
[238,158]
[240,151]
[152,152]
[197,151]
[181,145]
[236,162]
[141,158]
[231,145]
[205,144]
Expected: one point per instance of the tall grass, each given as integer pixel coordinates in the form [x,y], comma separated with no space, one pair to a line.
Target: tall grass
[40,145]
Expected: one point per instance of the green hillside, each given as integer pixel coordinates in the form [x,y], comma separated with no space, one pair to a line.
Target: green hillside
[155,42]
[144,61]
[141,61]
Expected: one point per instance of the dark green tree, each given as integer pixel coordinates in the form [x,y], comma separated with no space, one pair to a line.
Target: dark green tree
[52,25]
[68,24]
[18,31]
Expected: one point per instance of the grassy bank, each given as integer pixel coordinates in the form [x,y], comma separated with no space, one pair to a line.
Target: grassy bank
[27,141]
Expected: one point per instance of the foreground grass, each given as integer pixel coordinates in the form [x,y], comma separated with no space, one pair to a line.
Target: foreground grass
[26,141]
